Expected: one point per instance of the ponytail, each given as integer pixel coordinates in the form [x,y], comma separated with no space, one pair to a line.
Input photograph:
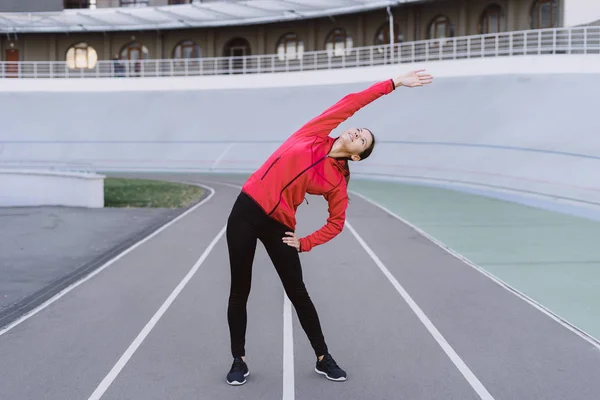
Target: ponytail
[347,168]
[347,177]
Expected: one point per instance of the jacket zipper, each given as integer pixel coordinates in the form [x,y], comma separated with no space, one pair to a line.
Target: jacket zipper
[292,181]
[270,166]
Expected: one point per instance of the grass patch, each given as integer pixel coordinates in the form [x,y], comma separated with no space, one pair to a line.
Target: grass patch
[141,193]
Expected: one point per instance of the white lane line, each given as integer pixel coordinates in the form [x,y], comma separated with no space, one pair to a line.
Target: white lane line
[221,156]
[231,185]
[460,364]
[288,337]
[579,332]
[107,381]
[288,350]
[103,267]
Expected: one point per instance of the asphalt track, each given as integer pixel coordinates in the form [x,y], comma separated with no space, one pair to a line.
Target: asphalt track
[404,317]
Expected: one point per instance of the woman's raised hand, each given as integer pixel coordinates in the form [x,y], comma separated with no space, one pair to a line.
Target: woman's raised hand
[413,79]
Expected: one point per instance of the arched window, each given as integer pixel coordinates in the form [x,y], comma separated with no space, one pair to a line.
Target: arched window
[440,27]
[134,3]
[237,47]
[134,51]
[382,36]
[544,14]
[337,41]
[492,20]
[187,49]
[81,55]
[79,3]
[289,47]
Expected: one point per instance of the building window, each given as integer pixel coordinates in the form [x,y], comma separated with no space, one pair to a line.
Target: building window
[440,28]
[382,37]
[289,47]
[337,41]
[544,14]
[237,47]
[134,3]
[492,20]
[79,4]
[187,49]
[81,56]
[177,2]
[134,51]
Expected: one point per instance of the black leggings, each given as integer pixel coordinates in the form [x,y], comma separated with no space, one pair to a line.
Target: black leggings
[247,223]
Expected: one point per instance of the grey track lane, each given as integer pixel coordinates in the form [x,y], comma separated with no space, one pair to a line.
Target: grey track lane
[187,354]
[45,249]
[64,351]
[516,351]
[342,280]
[369,329]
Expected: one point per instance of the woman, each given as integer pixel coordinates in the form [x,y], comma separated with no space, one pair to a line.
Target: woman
[309,161]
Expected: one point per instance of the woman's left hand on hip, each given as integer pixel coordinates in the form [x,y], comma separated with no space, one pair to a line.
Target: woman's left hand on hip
[292,240]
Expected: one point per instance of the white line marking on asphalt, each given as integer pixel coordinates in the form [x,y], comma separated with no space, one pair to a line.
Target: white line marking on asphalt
[460,364]
[579,332]
[231,185]
[221,156]
[103,267]
[288,337]
[288,350]
[107,381]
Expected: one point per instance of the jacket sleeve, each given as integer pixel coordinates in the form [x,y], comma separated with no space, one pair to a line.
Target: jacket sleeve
[338,203]
[331,118]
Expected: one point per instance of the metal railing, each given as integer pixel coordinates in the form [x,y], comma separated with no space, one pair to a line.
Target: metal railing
[580,40]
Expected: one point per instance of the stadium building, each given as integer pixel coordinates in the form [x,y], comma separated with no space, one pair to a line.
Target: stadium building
[85,32]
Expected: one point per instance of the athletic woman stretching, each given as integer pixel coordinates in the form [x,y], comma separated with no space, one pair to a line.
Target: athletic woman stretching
[309,161]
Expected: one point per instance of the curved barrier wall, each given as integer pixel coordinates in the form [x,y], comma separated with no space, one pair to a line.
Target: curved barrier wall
[31,187]
[532,127]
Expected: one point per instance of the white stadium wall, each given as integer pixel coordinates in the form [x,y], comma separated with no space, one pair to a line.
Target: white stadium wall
[34,187]
[526,124]
[580,12]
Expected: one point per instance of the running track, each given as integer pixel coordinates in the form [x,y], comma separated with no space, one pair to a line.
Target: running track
[404,317]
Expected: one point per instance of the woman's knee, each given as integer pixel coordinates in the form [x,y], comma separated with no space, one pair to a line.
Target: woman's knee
[297,293]
[239,297]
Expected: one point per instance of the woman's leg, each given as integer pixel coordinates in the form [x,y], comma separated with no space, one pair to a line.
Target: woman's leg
[287,263]
[241,243]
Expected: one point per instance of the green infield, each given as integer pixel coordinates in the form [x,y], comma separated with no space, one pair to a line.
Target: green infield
[119,192]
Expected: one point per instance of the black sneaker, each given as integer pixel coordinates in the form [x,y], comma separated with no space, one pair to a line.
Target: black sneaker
[328,367]
[238,372]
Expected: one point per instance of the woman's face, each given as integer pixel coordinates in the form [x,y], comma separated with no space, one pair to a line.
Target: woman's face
[356,140]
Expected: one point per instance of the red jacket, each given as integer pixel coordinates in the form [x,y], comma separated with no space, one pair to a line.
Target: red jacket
[300,165]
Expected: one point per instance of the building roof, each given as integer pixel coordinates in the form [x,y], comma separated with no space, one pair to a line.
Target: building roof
[209,14]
